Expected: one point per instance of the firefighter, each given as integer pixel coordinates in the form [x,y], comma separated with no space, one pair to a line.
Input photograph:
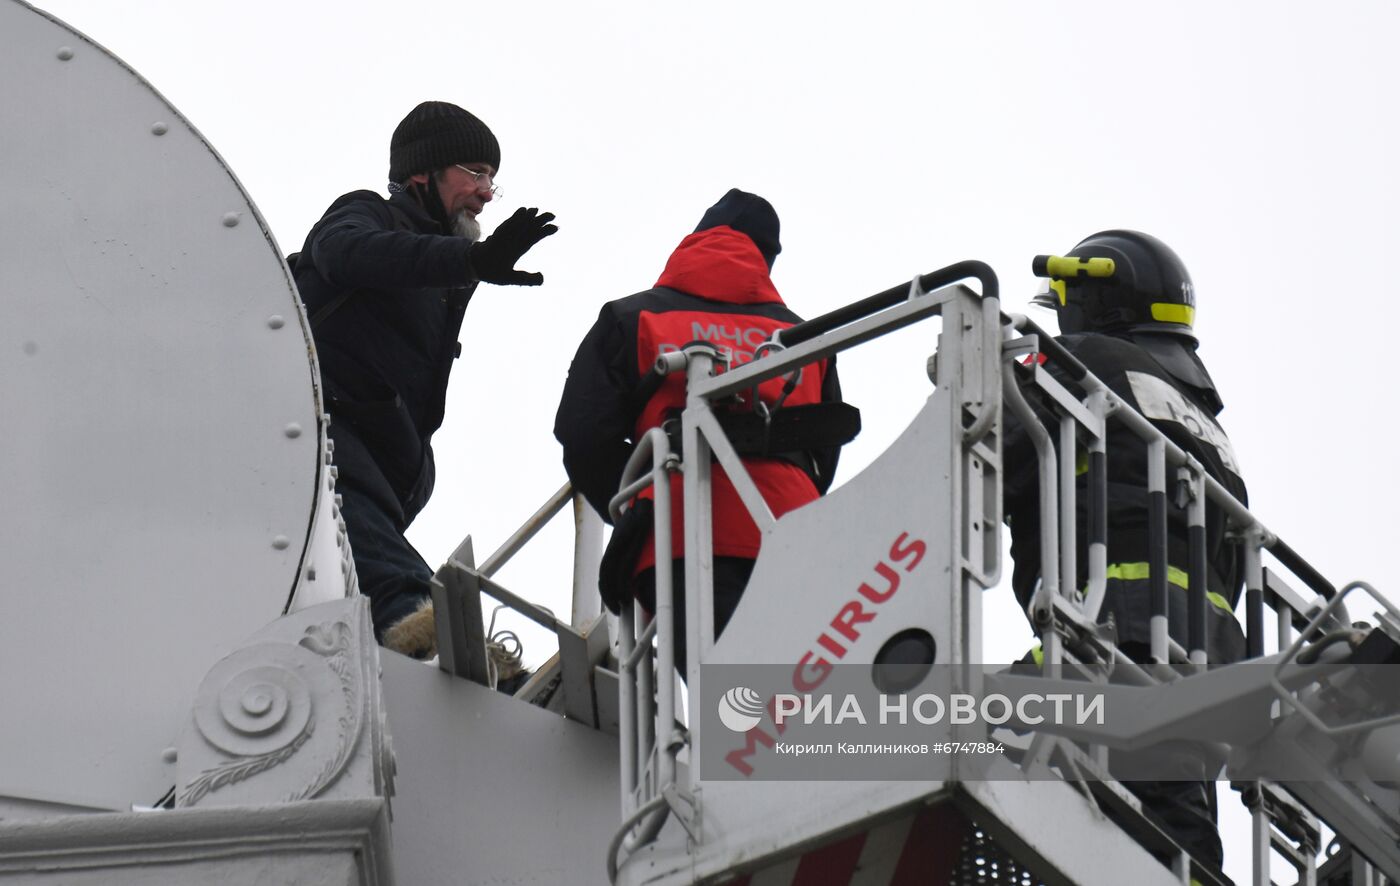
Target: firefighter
[715,287]
[1133,329]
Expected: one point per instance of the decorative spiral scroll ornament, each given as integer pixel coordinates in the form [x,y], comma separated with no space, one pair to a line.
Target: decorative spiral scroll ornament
[260,699]
[285,721]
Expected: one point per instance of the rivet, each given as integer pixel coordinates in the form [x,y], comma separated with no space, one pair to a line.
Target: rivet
[276,321]
[281,542]
[159,128]
[311,573]
[292,430]
[170,755]
[231,219]
[65,53]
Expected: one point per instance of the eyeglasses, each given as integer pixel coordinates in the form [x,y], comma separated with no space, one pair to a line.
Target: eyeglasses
[482,180]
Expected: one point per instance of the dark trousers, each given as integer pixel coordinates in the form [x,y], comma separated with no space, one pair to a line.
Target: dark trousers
[1185,809]
[391,573]
[1182,804]
[731,577]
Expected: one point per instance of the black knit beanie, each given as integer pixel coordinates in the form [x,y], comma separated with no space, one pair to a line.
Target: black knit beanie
[749,214]
[436,135]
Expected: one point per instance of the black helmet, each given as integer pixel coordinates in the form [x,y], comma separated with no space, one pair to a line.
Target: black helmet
[1142,287]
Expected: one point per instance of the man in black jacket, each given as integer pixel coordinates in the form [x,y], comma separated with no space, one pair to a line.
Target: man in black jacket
[1133,331]
[386,284]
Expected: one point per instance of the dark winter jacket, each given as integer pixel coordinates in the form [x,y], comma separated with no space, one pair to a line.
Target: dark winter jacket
[715,288]
[386,290]
[1183,413]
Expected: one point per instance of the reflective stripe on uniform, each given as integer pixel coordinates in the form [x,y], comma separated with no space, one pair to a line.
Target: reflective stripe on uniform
[1178,577]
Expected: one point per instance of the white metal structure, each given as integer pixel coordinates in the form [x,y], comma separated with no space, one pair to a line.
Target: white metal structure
[161,407]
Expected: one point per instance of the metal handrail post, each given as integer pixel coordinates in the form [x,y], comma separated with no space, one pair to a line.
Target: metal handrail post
[1261,832]
[627,692]
[634,665]
[1041,609]
[1157,549]
[1196,600]
[1254,595]
[588,555]
[665,610]
[1069,567]
[699,539]
[527,531]
[1100,406]
[643,663]
[1049,495]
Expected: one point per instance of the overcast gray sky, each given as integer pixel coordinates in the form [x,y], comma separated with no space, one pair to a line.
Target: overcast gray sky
[1257,138]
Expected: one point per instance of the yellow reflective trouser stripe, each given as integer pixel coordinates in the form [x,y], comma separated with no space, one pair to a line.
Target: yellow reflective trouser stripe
[1038,654]
[1178,577]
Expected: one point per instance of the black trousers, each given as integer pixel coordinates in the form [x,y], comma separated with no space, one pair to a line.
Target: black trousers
[1182,802]
[391,573]
[1187,808]
[731,577]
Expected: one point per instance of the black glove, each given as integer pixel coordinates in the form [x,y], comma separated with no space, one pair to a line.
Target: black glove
[493,259]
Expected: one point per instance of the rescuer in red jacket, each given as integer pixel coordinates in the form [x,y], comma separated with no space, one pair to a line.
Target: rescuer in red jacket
[716,288]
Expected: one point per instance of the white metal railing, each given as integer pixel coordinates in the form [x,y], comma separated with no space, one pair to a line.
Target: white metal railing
[647,767]
[462,641]
[1092,417]
[649,737]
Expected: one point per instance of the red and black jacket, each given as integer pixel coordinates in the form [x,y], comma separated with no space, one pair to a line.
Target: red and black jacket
[715,288]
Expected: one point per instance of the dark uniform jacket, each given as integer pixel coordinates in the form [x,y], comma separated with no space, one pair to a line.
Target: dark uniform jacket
[715,288]
[386,290]
[1185,414]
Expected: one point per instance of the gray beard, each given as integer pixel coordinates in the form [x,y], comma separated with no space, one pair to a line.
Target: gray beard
[463,225]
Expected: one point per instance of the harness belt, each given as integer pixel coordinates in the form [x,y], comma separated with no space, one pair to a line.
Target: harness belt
[789,433]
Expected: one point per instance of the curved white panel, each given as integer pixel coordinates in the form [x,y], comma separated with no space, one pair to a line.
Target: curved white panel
[159,445]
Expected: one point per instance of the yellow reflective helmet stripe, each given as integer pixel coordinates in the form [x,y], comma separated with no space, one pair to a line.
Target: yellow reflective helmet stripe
[1165,313]
[1058,287]
[1178,577]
